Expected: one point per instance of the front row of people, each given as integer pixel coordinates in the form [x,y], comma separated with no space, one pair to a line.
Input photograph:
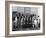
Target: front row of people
[26,21]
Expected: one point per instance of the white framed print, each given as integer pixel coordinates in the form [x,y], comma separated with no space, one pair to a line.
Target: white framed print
[24,18]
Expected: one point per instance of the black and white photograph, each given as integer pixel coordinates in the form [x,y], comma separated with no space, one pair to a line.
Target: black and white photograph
[25,18]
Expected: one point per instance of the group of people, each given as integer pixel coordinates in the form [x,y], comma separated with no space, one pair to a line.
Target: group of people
[22,20]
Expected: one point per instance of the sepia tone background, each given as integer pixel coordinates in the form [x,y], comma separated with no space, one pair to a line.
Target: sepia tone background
[2,19]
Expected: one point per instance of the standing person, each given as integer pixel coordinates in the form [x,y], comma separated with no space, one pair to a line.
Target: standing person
[34,21]
[15,22]
[19,15]
[38,21]
[22,19]
[18,22]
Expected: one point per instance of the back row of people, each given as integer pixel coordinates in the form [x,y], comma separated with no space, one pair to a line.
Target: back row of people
[26,19]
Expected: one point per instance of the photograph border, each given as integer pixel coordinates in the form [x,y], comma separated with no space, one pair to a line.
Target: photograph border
[7,3]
